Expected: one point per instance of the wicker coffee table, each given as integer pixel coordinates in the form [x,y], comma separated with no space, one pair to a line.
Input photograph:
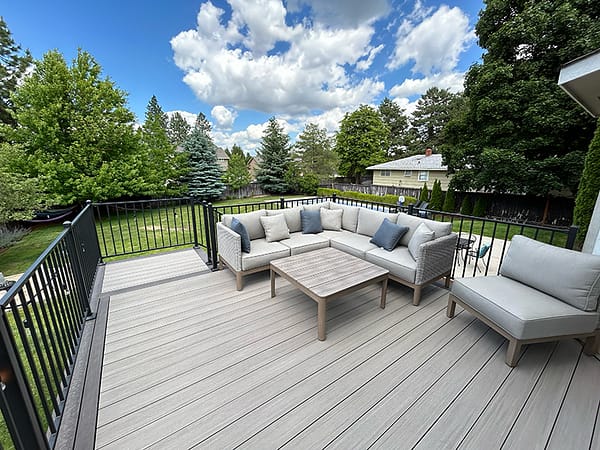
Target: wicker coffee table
[325,274]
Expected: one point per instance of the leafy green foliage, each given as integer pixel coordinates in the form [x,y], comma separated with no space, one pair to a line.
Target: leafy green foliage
[13,64]
[300,182]
[204,177]
[202,124]
[388,199]
[519,132]
[424,196]
[397,122]
[362,141]
[178,129]
[316,154]
[275,157]
[237,174]
[589,187]
[480,207]
[466,207]
[77,133]
[449,201]
[437,196]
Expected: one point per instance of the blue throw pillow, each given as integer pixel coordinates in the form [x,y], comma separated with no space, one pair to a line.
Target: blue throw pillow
[311,222]
[240,229]
[388,235]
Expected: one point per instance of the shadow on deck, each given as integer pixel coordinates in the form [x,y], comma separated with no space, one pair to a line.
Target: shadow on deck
[192,362]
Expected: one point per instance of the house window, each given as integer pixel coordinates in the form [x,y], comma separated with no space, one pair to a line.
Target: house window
[408,173]
[423,175]
[385,173]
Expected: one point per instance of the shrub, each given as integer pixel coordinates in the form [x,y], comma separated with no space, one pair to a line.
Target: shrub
[480,207]
[424,197]
[387,199]
[436,199]
[10,236]
[449,201]
[466,207]
[588,187]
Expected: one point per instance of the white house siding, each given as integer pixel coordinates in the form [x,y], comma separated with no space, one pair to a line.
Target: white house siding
[397,178]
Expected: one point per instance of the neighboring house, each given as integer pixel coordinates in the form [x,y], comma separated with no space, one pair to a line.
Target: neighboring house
[253,166]
[222,159]
[412,172]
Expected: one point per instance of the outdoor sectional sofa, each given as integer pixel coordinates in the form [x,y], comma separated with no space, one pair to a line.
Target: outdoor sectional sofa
[352,234]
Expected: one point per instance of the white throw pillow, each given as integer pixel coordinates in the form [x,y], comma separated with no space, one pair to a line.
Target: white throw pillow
[422,234]
[331,219]
[275,227]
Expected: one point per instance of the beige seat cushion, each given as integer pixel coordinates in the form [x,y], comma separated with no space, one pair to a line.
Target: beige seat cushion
[399,262]
[301,243]
[523,311]
[262,253]
[352,243]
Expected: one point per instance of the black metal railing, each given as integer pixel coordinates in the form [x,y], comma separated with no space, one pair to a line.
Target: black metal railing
[41,321]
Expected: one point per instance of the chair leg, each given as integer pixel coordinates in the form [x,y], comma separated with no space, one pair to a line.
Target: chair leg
[451,306]
[589,346]
[513,352]
[447,281]
[239,284]
[417,295]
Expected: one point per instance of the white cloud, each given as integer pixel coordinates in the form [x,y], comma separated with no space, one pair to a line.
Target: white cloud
[453,81]
[224,117]
[364,64]
[243,62]
[189,117]
[344,12]
[435,43]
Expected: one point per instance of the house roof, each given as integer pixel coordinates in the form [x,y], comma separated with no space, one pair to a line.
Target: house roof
[416,162]
[581,80]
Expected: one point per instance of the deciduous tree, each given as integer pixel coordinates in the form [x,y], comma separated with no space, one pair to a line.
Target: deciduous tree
[315,150]
[237,174]
[397,122]
[275,157]
[362,141]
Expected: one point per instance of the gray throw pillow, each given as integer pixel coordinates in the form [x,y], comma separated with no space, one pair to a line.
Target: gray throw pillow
[422,235]
[388,235]
[240,229]
[275,227]
[311,222]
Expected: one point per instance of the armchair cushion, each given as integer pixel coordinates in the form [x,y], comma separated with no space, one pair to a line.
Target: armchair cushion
[275,227]
[421,235]
[240,229]
[311,221]
[388,235]
[570,276]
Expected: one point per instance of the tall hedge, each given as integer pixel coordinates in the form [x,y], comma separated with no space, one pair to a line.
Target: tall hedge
[437,197]
[424,197]
[449,201]
[589,186]
[466,207]
[480,207]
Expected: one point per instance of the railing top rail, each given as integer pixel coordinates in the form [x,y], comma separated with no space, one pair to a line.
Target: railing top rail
[128,202]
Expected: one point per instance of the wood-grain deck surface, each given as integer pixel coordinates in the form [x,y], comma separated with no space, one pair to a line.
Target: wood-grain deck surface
[194,363]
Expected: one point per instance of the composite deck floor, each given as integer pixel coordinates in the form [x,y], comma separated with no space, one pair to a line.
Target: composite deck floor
[192,363]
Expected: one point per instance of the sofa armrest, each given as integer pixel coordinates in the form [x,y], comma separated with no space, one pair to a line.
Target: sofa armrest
[435,258]
[230,246]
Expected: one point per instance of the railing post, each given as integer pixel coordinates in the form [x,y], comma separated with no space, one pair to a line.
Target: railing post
[194,225]
[15,399]
[213,236]
[78,268]
[91,206]
[334,197]
[411,208]
[573,229]
[207,232]
[281,203]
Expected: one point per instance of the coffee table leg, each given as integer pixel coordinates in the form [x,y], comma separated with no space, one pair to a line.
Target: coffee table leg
[272,283]
[321,317]
[384,284]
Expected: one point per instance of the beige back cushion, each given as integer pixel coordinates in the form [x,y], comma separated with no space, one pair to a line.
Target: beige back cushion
[251,221]
[349,217]
[440,229]
[369,221]
[292,217]
[316,206]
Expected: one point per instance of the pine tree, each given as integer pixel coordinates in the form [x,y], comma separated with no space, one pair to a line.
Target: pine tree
[202,123]
[480,207]
[424,197]
[237,174]
[436,200]
[466,207]
[589,186]
[315,152]
[449,201]
[178,129]
[275,156]
[204,178]
[397,122]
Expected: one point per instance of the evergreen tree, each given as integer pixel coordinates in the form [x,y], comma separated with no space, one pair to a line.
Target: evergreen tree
[237,174]
[436,200]
[202,124]
[13,64]
[466,207]
[178,129]
[315,152]
[480,207]
[424,196]
[237,149]
[589,186]
[397,122]
[275,157]
[204,177]
[449,201]
[362,141]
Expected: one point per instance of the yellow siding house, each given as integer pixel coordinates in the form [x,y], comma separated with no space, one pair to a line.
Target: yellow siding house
[412,172]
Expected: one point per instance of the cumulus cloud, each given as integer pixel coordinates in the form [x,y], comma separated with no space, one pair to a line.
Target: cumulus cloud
[256,61]
[435,43]
[453,81]
[344,12]
[223,116]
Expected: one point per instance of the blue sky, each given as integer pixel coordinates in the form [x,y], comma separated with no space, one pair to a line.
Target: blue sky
[241,62]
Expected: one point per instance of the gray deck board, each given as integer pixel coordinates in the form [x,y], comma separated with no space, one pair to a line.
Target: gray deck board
[191,362]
